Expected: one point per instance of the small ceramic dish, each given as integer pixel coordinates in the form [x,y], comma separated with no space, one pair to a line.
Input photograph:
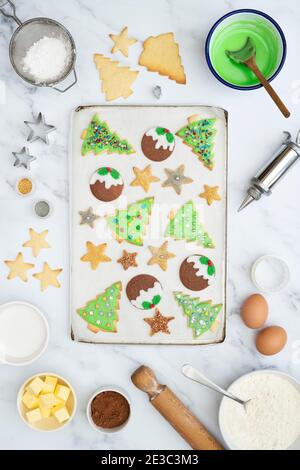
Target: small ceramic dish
[42,209]
[24,333]
[108,388]
[276,41]
[47,424]
[270,274]
[222,421]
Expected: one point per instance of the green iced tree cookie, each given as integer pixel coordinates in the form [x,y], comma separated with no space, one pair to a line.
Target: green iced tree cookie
[98,138]
[185,225]
[130,224]
[101,313]
[199,135]
[201,315]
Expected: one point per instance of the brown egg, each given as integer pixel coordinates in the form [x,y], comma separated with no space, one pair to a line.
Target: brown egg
[254,311]
[271,340]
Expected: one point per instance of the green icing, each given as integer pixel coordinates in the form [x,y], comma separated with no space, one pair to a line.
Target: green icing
[199,135]
[99,138]
[201,315]
[130,224]
[102,312]
[244,53]
[185,225]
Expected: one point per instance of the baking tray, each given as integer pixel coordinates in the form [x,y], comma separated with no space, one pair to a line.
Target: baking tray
[131,122]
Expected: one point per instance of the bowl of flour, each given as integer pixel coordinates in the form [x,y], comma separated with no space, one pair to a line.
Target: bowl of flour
[271,419]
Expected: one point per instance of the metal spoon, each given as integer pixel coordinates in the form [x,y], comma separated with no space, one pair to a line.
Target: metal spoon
[193,374]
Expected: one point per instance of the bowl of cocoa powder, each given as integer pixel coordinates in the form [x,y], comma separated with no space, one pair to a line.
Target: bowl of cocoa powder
[109,410]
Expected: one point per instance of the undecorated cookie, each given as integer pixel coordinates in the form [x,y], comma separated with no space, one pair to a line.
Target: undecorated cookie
[106,184]
[197,272]
[158,144]
[144,291]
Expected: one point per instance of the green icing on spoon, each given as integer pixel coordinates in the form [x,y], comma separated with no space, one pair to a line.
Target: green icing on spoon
[244,53]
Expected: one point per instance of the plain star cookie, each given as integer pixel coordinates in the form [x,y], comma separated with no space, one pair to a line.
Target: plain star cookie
[102,313]
[18,268]
[95,255]
[160,256]
[37,241]
[48,277]
[161,54]
[210,194]
[122,42]
[144,178]
[116,80]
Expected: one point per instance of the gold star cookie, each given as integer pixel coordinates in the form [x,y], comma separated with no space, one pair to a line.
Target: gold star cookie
[37,241]
[48,277]
[160,256]
[18,268]
[143,178]
[95,254]
[122,42]
[128,260]
[210,193]
[159,323]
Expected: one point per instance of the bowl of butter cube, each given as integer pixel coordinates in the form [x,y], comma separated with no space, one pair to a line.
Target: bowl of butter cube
[46,402]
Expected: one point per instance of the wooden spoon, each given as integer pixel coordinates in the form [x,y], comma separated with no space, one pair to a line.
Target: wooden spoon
[247,56]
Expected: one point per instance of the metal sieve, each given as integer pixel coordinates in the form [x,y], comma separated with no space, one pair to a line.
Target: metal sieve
[32,31]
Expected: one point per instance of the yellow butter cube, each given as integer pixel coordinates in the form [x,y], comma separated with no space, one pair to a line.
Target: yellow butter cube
[62,392]
[30,400]
[45,412]
[62,414]
[34,416]
[49,384]
[48,400]
[36,386]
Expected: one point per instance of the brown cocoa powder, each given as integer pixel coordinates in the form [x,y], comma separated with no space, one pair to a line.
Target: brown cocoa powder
[110,410]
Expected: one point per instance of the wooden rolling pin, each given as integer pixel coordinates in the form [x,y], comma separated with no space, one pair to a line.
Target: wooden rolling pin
[174,411]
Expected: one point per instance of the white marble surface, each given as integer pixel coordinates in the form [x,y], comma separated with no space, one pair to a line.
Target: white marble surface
[270,226]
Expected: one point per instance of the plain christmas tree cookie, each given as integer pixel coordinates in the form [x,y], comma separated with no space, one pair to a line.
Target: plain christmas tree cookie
[130,224]
[106,184]
[161,54]
[201,315]
[98,138]
[197,272]
[102,313]
[199,135]
[144,291]
[116,80]
[158,144]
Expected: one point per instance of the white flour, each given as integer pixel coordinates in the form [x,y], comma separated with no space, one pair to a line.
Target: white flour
[47,59]
[272,419]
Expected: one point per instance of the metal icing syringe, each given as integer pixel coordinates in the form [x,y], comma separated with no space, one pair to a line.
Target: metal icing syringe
[266,179]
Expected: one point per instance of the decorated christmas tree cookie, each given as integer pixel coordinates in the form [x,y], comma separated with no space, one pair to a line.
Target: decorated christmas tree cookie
[98,138]
[130,224]
[201,315]
[185,225]
[101,313]
[199,135]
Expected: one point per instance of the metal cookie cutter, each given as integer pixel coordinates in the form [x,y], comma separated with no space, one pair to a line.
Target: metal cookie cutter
[32,31]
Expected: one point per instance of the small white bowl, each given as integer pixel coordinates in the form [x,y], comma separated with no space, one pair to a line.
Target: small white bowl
[47,424]
[272,263]
[17,186]
[222,423]
[11,360]
[107,388]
